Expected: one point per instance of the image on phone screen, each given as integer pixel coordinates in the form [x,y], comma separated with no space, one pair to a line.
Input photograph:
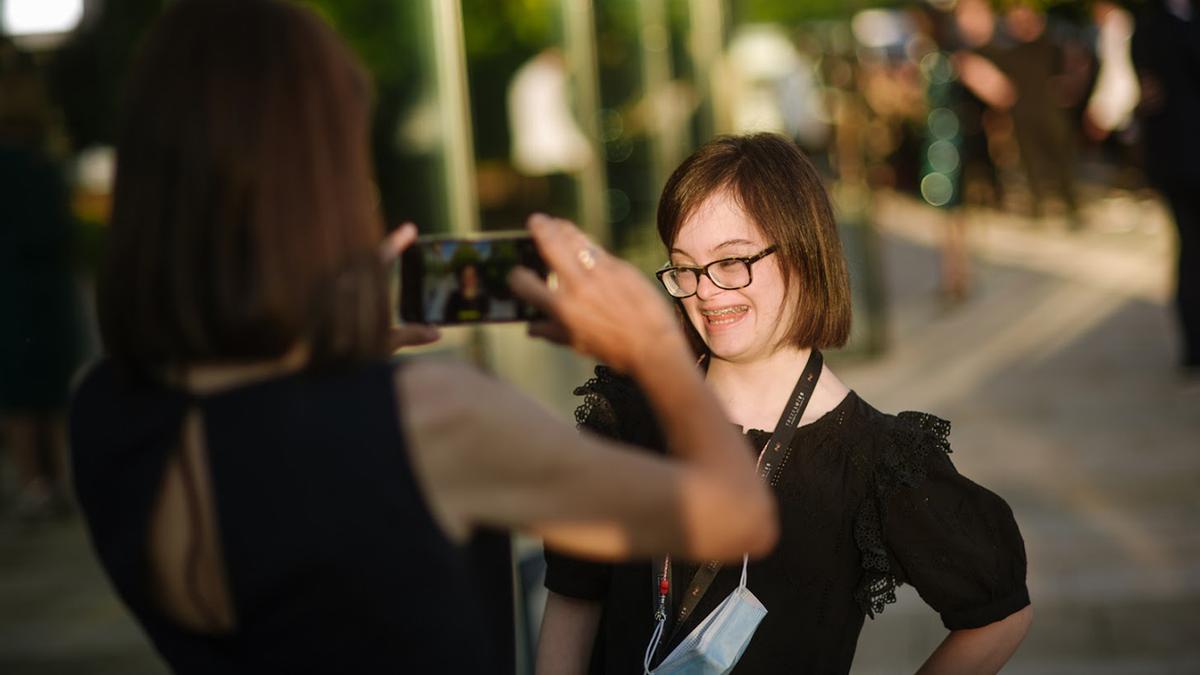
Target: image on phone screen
[448,281]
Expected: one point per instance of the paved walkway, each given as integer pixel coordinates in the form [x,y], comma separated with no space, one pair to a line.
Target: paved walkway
[1058,377]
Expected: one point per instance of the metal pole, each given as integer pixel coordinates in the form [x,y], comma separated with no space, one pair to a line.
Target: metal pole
[579,33]
[454,109]
[707,44]
[655,43]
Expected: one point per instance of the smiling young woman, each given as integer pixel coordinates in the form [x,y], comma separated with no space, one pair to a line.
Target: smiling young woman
[867,500]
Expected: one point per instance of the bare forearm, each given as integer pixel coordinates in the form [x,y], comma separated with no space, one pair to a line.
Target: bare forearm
[695,426]
[979,650]
[721,495]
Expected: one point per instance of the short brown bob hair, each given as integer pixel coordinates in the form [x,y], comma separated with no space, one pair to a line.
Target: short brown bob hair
[780,190]
[244,218]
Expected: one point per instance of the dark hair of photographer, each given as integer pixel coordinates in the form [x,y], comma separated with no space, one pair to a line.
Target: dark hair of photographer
[244,220]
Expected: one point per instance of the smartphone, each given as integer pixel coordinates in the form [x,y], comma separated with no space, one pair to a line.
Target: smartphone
[449,280]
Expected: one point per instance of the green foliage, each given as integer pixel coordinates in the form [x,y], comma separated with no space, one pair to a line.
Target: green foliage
[501,28]
[796,11]
[376,30]
[393,40]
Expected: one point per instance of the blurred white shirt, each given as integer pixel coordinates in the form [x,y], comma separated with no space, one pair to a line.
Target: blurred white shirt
[545,136]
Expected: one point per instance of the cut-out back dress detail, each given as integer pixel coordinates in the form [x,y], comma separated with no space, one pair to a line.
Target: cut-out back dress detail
[332,558]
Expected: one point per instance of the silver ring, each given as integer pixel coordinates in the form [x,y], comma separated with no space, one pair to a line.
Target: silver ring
[587,257]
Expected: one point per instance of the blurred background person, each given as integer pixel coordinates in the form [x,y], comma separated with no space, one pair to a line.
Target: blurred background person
[40,326]
[962,85]
[1166,53]
[1115,93]
[265,489]
[987,94]
[547,145]
[773,86]
[1044,134]
[942,149]
[940,163]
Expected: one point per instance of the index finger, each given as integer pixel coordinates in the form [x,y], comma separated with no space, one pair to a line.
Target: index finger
[530,287]
[559,242]
[395,243]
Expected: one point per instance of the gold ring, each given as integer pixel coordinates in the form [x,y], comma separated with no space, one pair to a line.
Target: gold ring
[587,258]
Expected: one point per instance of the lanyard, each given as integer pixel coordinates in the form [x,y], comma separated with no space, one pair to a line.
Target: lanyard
[769,460]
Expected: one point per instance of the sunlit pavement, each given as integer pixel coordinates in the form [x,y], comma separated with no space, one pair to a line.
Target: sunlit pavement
[57,612]
[1058,376]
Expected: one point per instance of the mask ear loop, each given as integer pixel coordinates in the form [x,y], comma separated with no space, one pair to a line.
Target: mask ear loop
[746,556]
[661,619]
[653,646]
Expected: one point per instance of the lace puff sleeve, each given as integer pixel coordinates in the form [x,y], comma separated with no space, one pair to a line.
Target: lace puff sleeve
[615,408]
[925,524]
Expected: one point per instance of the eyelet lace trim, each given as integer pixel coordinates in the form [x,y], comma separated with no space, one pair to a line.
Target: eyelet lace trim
[605,397]
[901,464]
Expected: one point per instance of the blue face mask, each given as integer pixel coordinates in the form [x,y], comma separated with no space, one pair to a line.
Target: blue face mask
[715,645]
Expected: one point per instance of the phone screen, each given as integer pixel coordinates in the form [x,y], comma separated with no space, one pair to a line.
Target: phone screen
[448,281]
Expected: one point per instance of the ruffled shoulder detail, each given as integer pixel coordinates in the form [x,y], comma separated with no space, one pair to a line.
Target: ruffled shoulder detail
[597,412]
[614,406]
[902,460]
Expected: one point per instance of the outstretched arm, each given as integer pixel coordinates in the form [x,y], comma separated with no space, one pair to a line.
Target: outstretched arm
[488,455]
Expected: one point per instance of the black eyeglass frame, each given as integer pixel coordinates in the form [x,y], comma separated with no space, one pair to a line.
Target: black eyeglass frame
[748,261]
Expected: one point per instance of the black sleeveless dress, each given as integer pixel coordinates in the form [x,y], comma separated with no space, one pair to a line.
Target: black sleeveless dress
[334,562]
[867,501]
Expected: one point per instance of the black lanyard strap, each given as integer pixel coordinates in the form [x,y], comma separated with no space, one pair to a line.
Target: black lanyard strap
[769,463]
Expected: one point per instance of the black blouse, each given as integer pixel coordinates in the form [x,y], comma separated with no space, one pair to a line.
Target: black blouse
[867,502]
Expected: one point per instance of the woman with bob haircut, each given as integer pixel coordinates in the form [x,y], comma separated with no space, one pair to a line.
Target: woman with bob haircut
[867,501]
[266,490]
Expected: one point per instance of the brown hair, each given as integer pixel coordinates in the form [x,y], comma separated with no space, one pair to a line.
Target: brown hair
[244,221]
[780,190]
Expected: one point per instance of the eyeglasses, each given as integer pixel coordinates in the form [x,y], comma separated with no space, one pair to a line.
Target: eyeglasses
[682,281]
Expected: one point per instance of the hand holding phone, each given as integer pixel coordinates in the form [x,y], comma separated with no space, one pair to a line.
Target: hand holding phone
[601,306]
[405,334]
[454,280]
